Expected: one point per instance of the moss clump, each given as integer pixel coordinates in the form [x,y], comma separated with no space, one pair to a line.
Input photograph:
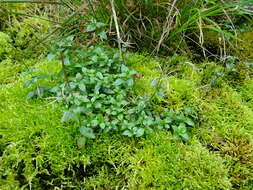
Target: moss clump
[27,32]
[5,45]
[246,93]
[43,154]
[227,130]
[17,50]
[245,47]
[147,71]
[164,164]
[182,93]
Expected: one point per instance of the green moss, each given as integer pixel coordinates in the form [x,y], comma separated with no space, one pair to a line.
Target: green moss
[164,164]
[43,151]
[182,93]
[17,51]
[27,32]
[37,150]
[10,70]
[147,70]
[34,141]
[245,47]
[246,92]
[228,129]
[5,45]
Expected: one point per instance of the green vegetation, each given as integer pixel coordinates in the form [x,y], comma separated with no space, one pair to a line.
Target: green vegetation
[218,156]
[90,116]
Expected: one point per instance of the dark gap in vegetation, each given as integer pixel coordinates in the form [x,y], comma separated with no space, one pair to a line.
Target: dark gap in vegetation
[45,179]
[19,174]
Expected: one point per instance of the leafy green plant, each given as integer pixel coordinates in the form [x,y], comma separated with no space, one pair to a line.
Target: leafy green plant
[97,90]
[38,90]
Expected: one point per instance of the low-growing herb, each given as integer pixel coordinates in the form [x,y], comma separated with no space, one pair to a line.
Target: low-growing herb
[97,88]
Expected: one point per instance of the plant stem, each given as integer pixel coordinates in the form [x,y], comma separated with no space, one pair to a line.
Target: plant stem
[117,27]
[64,70]
[27,1]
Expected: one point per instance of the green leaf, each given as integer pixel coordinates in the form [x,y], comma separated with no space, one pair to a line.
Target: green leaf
[68,115]
[154,82]
[94,123]
[50,57]
[130,82]
[100,24]
[119,82]
[161,93]
[94,58]
[128,133]
[189,122]
[102,125]
[98,105]
[31,94]
[66,61]
[124,102]
[82,87]
[140,132]
[97,88]
[100,75]
[78,76]
[181,128]
[185,136]
[103,35]
[87,132]
[168,120]
[124,68]
[28,83]
[81,142]
[70,38]
[91,28]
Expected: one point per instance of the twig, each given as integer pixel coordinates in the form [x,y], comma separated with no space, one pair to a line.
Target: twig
[27,1]
[64,70]
[117,26]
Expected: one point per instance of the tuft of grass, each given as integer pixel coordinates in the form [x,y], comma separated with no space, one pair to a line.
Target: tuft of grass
[166,27]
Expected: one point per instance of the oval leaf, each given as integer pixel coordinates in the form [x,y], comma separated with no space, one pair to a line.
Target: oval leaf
[87,132]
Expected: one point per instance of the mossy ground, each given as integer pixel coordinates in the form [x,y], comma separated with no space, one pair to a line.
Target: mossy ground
[245,46]
[39,152]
